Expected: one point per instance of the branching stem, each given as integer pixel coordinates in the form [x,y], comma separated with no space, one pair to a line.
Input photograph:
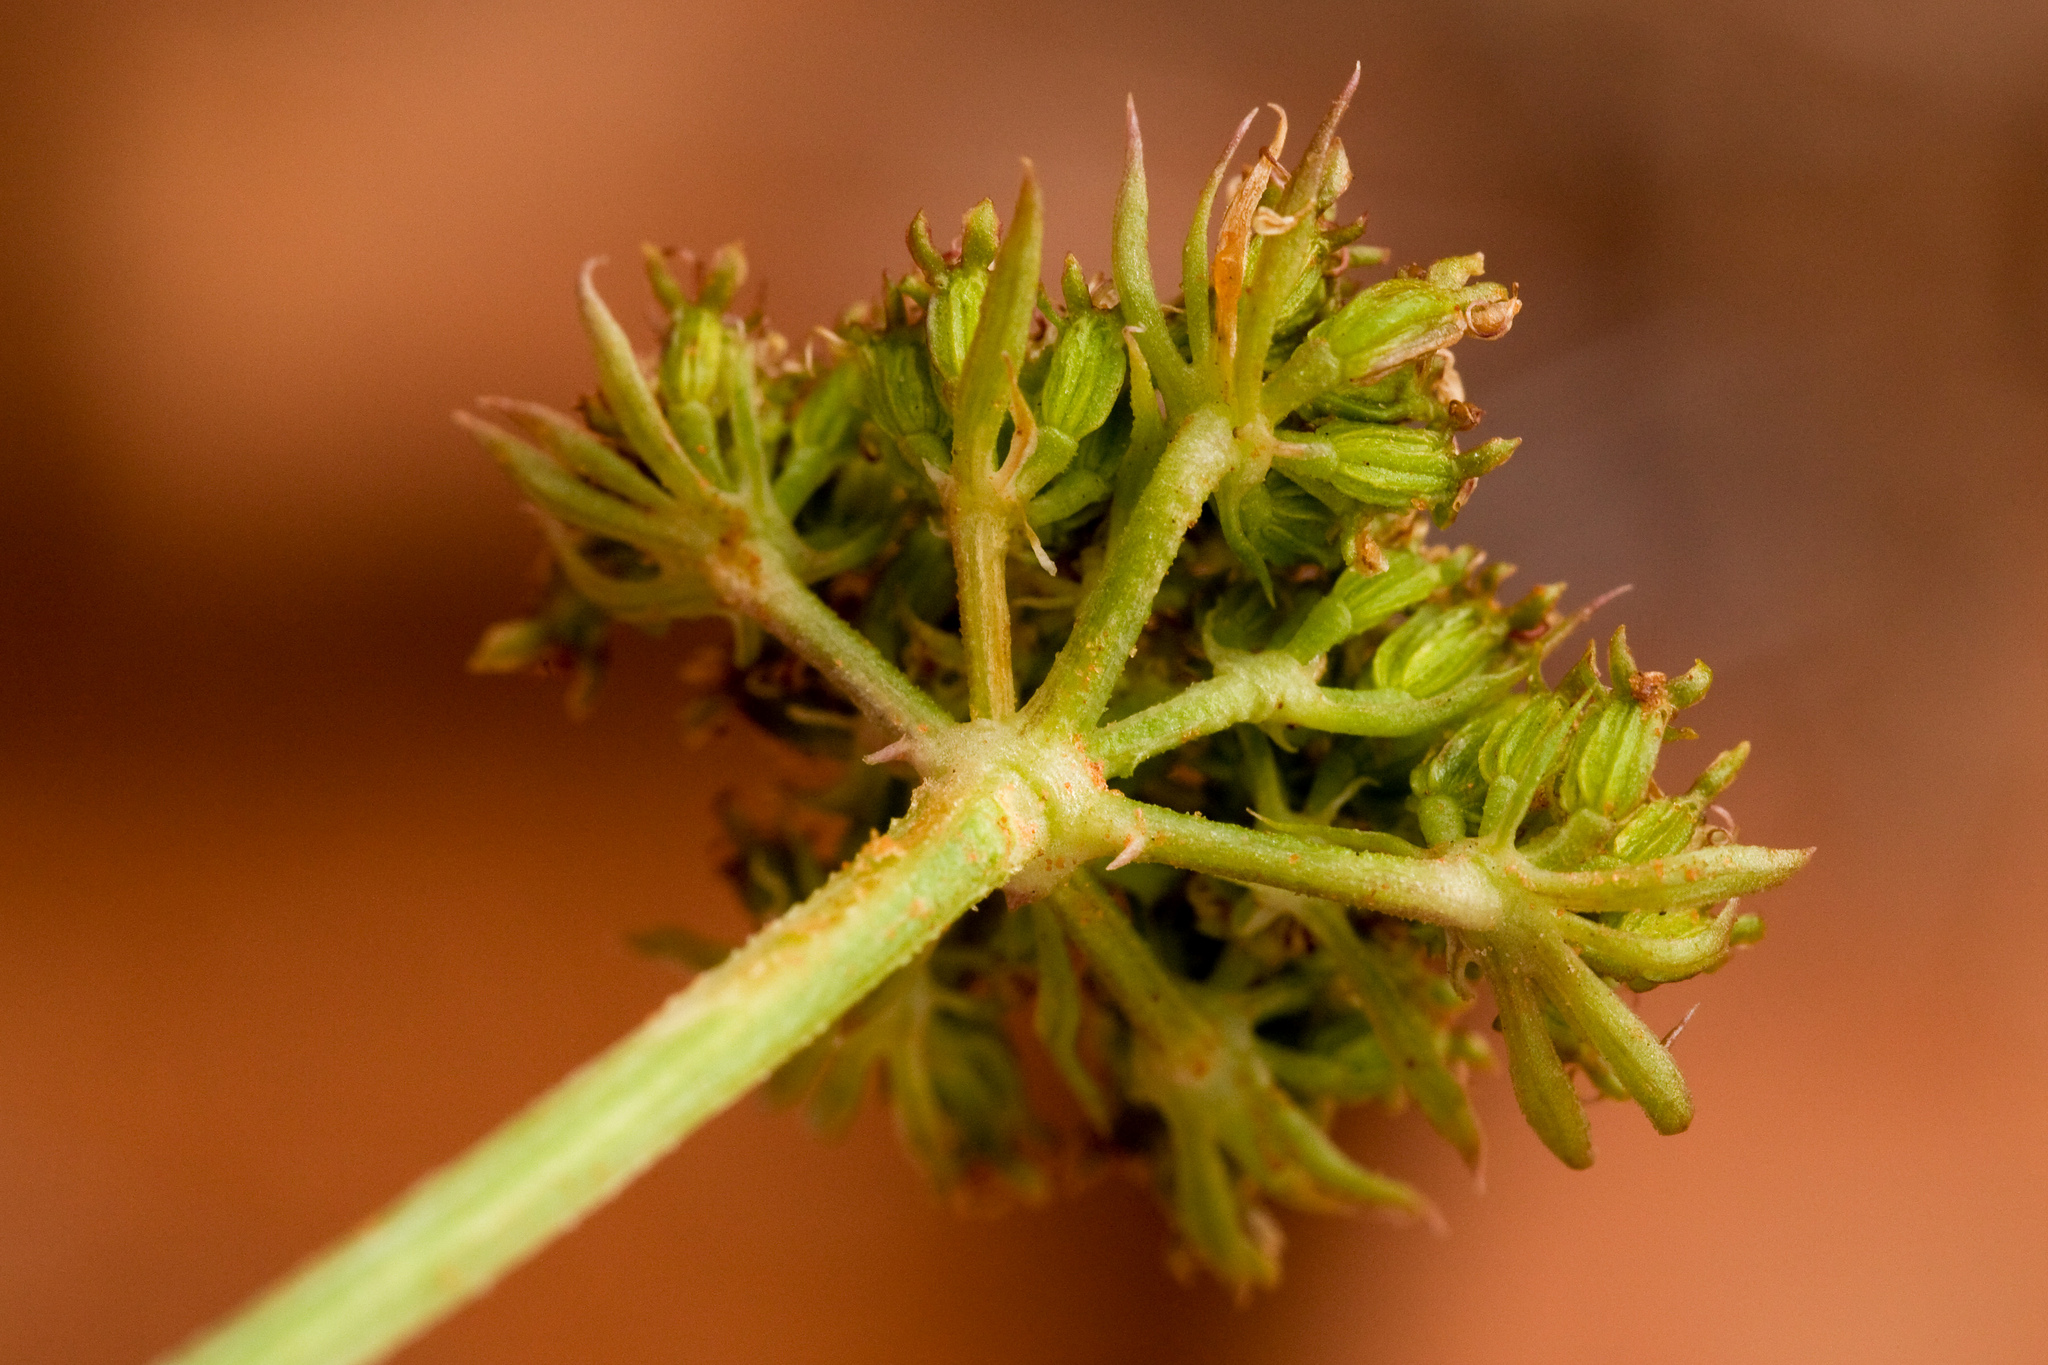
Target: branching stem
[1455,891]
[756,581]
[1272,685]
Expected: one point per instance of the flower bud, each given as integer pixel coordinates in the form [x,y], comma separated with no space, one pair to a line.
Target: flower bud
[1358,602]
[723,278]
[1437,648]
[1451,779]
[950,319]
[899,398]
[1398,320]
[1610,764]
[1086,373]
[980,236]
[693,360]
[1665,827]
[953,310]
[1389,466]
[1616,751]
[1521,759]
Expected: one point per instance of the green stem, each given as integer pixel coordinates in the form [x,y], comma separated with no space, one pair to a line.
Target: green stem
[1120,593]
[1127,967]
[1456,892]
[979,514]
[456,1233]
[1404,1032]
[1273,685]
[1247,688]
[753,578]
[981,552]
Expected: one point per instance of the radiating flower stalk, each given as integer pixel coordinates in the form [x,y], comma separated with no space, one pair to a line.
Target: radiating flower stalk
[1170,740]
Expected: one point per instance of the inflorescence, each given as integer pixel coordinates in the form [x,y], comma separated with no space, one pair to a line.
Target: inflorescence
[1278,778]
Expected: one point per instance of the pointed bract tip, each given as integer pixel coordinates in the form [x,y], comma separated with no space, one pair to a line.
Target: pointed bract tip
[1244,125]
[1604,598]
[1351,86]
[1279,141]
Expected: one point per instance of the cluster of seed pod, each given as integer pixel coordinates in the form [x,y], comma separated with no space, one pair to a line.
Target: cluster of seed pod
[1205,1030]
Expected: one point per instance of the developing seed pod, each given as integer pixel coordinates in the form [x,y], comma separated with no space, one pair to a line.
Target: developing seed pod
[1437,648]
[901,401]
[1664,827]
[954,309]
[1388,466]
[1398,320]
[1083,378]
[1304,302]
[693,360]
[1279,522]
[1358,602]
[1520,760]
[822,435]
[1407,393]
[1616,750]
[1449,786]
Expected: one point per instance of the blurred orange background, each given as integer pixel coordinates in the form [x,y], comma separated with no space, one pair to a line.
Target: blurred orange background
[294,909]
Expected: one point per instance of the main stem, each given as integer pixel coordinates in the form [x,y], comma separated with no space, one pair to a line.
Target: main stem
[456,1233]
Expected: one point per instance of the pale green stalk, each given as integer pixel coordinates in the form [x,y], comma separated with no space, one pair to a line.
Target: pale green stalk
[979,513]
[1274,686]
[1129,970]
[1456,891]
[1405,1035]
[1120,593]
[460,1230]
[756,581]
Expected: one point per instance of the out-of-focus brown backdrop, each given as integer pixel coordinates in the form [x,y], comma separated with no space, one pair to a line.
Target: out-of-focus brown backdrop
[293,909]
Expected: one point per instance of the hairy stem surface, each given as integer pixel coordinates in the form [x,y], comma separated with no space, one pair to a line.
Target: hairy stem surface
[1120,593]
[457,1232]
